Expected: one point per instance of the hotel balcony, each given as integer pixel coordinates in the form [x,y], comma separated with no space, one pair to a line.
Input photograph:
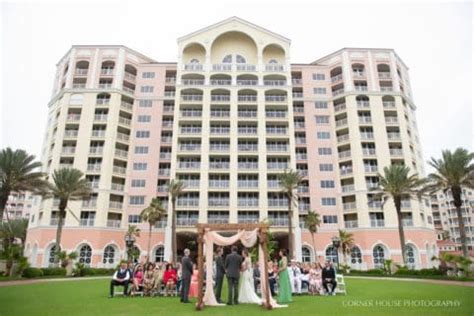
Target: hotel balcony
[219,165]
[189,165]
[86,222]
[385,75]
[391,120]
[183,222]
[351,224]
[98,134]
[193,67]
[342,122]
[348,188]
[193,82]
[220,98]
[191,97]
[247,82]
[247,113]
[339,107]
[396,152]
[115,205]
[344,154]
[119,170]
[363,104]
[274,68]
[377,223]
[94,167]
[278,221]
[220,82]
[349,206]
[218,202]
[336,78]
[273,83]
[121,153]
[389,104]
[275,98]
[114,223]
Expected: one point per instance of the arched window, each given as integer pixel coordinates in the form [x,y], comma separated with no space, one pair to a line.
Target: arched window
[51,254]
[194,61]
[85,255]
[109,256]
[273,61]
[305,254]
[240,59]
[76,99]
[227,59]
[331,254]
[379,257]
[356,256]
[410,256]
[160,254]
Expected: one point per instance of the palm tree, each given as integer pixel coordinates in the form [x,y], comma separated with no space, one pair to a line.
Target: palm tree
[347,242]
[175,189]
[152,214]
[289,181]
[133,232]
[396,183]
[454,171]
[68,184]
[18,172]
[312,222]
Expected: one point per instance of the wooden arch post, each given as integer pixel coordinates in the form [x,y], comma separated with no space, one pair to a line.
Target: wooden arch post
[262,240]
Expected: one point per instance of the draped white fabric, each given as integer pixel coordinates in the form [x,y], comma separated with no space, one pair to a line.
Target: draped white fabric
[248,239]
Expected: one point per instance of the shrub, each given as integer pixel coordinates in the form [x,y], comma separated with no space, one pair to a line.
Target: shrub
[32,273]
[54,271]
[375,272]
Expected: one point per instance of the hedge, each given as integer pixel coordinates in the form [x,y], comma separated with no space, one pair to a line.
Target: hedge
[32,273]
[54,271]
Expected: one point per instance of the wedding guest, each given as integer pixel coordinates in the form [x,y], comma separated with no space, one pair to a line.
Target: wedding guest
[193,288]
[304,274]
[272,275]
[137,279]
[314,279]
[284,286]
[329,277]
[158,276]
[149,279]
[121,277]
[169,279]
[187,268]
[295,277]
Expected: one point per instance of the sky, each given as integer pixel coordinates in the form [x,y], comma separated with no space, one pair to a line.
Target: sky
[433,39]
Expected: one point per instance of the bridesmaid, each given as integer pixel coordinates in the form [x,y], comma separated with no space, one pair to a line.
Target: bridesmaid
[284,286]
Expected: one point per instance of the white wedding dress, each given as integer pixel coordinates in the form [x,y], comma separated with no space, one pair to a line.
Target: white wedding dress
[247,293]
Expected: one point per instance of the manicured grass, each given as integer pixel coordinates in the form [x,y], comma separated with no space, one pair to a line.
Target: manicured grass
[90,297]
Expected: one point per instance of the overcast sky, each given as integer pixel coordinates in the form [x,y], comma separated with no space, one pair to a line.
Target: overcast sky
[434,40]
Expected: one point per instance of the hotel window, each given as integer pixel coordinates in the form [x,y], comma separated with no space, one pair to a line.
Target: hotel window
[322,119]
[140,166]
[326,167]
[137,200]
[328,201]
[324,151]
[142,134]
[134,219]
[319,77]
[148,75]
[326,184]
[144,118]
[330,219]
[324,135]
[321,104]
[145,103]
[146,89]
[141,149]
[138,183]
[319,90]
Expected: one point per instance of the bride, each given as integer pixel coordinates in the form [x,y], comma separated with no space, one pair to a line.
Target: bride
[246,291]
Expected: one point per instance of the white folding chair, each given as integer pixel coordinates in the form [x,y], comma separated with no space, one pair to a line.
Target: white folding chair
[341,285]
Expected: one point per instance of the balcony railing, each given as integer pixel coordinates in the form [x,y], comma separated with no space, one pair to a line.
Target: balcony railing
[393,135]
[340,107]
[71,133]
[391,120]
[275,98]
[86,222]
[193,67]
[351,224]
[247,219]
[218,202]
[388,104]
[221,82]
[407,222]
[347,188]
[164,172]
[165,155]
[115,204]
[278,221]
[220,98]
[189,147]
[369,168]
[363,104]
[127,106]
[247,130]
[277,202]
[222,67]
[102,101]
[248,165]
[73,117]
[365,120]
[189,165]
[169,94]
[68,150]
[220,130]
[342,138]
[301,156]
[377,223]
[384,75]
[218,220]
[125,121]
[187,184]
[190,130]
[193,82]
[246,67]
[186,221]
[342,122]
[98,133]
[277,130]
[89,203]
[396,152]
[107,71]
[247,82]
[219,183]
[367,135]
[113,223]
[279,148]
[386,89]
[273,184]
[129,76]
[191,113]
[119,170]
[94,167]
[274,82]
[100,117]
[368,151]
[247,98]
[117,187]
[170,80]
[296,81]
[349,206]
[191,97]
[121,153]
[248,183]
[276,114]
[336,78]
[344,154]
[346,171]
[123,137]
[278,166]
[81,72]
[338,92]
[219,165]
[274,67]
[247,147]
[247,113]
[78,85]
[247,202]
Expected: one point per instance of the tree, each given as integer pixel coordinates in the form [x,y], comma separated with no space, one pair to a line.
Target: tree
[289,181]
[396,183]
[68,184]
[65,258]
[312,222]
[453,172]
[347,242]
[133,232]
[152,214]
[175,189]
[18,172]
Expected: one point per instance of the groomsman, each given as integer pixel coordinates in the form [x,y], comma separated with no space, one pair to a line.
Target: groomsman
[220,273]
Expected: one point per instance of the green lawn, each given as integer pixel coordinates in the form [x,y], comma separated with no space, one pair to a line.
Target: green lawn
[91,298]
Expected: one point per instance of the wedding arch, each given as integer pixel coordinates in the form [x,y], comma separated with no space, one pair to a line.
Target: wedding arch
[249,235]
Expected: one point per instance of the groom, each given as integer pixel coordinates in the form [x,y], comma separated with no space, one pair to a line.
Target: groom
[233,263]
[220,273]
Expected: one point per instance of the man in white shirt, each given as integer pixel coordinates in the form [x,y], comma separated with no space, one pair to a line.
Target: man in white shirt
[121,277]
[295,277]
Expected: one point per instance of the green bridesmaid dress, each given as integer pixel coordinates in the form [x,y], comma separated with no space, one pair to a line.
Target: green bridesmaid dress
[284,286]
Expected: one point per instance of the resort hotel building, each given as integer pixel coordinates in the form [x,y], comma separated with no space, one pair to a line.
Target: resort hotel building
[226,119]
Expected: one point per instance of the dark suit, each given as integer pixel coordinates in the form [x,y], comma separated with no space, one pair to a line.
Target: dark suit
[187,272]
[233,263]
[256,278]
[220,272]
[329,277]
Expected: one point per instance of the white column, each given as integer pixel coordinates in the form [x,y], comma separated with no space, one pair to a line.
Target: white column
[71,70]
[167,250]
[119,69]
[91,83]
[393,71]
[373,84]
[297,245]
[346,72]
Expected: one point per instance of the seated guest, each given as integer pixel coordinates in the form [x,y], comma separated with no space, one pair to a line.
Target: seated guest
[304,274]
[272,277]
[149,279]
[329,277]
[315,279]
[256,276]
[158,276]
[137,279]
[295,277]
[169,279]
[193,288]
[121,277]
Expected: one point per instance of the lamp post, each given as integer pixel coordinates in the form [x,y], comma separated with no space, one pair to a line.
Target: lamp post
[129,242]
[336,242]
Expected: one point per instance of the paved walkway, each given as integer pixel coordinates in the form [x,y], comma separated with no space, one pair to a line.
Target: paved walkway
[34,281]
[445,282]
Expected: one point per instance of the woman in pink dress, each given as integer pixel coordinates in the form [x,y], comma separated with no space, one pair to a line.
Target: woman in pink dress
[315,279]
[193,289]
[137,279]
